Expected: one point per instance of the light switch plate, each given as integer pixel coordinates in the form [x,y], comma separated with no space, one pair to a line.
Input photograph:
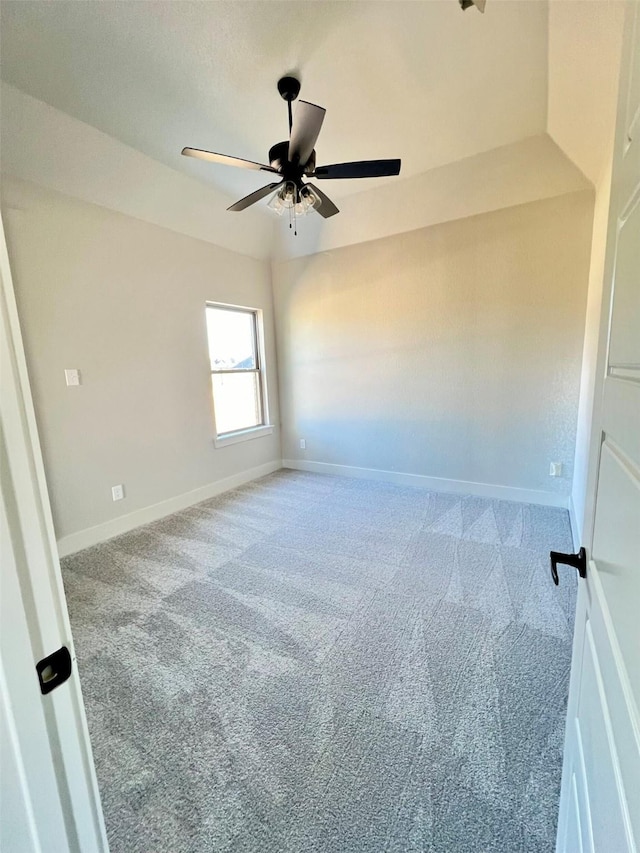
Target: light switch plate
[555,469]
[72,376]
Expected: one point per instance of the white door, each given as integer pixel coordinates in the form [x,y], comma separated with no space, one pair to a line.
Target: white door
[48,792]
[600,798]
[30,806]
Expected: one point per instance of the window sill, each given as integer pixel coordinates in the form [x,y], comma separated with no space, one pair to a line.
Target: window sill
[242,435]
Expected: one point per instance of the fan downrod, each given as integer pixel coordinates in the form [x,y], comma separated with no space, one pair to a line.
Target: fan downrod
[289,88]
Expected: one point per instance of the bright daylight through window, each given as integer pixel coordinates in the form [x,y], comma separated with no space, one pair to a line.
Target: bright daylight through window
[236,369]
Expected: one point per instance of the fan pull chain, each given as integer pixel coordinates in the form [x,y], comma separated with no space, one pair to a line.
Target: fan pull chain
[293,223]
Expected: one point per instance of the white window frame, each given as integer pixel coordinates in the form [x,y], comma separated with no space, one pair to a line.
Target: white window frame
[266,427]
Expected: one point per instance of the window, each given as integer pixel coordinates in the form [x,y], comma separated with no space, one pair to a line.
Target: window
[235,353]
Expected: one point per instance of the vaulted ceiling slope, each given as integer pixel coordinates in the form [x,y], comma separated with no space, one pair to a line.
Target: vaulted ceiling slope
[585,45]
[418,80]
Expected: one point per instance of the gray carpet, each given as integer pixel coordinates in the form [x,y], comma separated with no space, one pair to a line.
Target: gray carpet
[312,663]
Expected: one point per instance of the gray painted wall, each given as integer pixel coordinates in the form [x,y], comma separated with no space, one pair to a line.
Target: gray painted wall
[452,351]
[124,302]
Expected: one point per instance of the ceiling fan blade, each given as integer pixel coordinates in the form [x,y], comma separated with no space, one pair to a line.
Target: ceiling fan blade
[254,197]
[212,157]
[304,132]
[359,169]
[327,208]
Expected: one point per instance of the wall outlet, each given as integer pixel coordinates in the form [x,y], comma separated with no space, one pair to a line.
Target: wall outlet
[303,444]
[117,492]
[555,469]
[72,377]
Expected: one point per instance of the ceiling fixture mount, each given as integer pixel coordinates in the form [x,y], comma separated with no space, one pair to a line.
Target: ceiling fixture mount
[294,160]
[479,4]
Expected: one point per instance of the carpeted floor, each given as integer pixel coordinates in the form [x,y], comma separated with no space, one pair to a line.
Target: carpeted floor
[312,663]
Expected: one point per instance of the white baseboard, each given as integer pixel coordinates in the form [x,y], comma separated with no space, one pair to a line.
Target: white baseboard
[575,529]
[124,523]
[436,484]
[92,535]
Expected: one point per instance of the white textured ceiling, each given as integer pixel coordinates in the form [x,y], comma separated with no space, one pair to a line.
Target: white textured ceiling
[417,80]
[585,44]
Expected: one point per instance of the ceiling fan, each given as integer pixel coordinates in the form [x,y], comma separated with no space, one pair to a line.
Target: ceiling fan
[295,159]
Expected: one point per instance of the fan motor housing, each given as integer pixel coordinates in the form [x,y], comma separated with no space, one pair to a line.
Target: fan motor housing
[278,159]
[278,154]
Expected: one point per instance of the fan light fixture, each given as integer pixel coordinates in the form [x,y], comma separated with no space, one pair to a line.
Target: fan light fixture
[298,201]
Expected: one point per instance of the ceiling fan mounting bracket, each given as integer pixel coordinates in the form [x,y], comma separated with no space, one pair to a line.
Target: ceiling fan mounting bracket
[289,88]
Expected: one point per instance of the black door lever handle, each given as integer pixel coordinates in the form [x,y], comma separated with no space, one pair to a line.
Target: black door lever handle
[54,670]
[578,561]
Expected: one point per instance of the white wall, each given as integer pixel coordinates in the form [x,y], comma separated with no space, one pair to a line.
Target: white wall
[582,504]
[43,145]
[452,351]
[123,301]
[585,42]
